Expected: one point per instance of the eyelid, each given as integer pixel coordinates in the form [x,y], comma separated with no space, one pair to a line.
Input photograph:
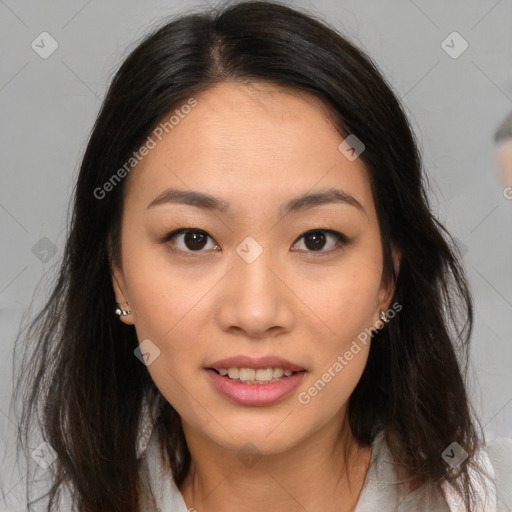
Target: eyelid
[342,239]
[179,231]
[167,237]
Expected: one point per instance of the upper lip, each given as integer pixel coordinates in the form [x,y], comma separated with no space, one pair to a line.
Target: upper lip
[255,362]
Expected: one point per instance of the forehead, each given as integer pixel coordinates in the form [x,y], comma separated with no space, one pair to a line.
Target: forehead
[256,142]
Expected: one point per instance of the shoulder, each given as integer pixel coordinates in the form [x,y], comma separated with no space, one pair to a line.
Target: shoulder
[492,485]
[499,451]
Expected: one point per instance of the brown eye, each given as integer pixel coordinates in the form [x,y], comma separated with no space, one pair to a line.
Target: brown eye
[189,240]
[195,240]
[316,240]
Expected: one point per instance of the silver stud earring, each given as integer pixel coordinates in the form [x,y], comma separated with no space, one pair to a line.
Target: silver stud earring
[383,316]
[122,312]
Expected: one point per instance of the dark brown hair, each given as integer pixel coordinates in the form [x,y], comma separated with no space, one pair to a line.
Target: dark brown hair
[79,378]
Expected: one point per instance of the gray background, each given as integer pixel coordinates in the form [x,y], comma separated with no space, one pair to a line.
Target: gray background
[48,106]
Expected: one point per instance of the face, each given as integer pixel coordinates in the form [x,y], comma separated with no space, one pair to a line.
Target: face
[260,275]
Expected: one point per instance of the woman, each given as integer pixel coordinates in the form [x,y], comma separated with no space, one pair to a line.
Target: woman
[256,309]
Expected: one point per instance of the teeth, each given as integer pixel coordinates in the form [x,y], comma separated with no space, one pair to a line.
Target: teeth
[252,376]
[278,372]
[246,374]
[264,374]
[233,373]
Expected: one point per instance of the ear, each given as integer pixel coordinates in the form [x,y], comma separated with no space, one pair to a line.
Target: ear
[118,283]
[387,288]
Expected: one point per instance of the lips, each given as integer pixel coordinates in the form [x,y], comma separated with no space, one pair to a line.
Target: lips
[255,363]
[255,395]
[259,392]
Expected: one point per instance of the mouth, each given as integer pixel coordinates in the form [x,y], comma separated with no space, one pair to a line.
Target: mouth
[254,376]
[251,370]
[255,382]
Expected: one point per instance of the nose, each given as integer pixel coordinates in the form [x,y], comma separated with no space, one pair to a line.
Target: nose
[255,299]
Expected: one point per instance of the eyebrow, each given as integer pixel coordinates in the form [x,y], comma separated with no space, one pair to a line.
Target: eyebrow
[298,204]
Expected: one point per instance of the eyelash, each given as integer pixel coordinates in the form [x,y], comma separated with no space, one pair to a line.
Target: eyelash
[341,240]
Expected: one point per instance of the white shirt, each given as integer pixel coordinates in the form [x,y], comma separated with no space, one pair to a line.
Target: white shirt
[380,491]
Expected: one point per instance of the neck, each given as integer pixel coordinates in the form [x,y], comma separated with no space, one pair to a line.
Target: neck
[324,472]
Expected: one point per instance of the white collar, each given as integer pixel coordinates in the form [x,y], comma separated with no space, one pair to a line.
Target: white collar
[379,490]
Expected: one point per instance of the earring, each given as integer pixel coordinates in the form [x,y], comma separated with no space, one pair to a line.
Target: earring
[383,315]
[122,312]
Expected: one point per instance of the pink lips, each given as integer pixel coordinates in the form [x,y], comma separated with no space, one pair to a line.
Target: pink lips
[255,394]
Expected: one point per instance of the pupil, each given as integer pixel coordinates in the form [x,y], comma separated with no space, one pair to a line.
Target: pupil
[318,239]
[194,240]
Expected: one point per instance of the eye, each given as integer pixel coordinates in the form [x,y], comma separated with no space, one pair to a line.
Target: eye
[192,240]
[195,240]
[316,239]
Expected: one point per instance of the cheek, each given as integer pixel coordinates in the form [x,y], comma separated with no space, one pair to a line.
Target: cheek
[160,294]
[328,388]
[167,312]
[340,358]
[350,297]
[182,389]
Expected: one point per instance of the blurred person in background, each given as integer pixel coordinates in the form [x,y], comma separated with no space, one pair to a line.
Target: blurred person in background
[503,139]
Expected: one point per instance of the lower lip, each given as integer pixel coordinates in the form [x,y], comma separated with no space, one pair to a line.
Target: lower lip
[255,394]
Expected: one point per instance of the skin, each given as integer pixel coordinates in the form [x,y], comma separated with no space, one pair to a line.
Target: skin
[256,146]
